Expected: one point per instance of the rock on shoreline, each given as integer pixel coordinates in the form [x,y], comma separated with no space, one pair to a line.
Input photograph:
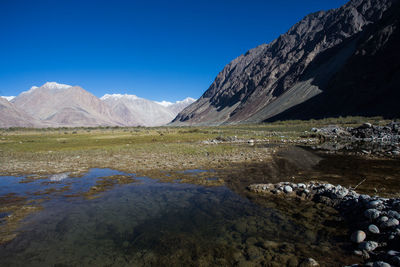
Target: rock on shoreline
[381,139]
[374,221]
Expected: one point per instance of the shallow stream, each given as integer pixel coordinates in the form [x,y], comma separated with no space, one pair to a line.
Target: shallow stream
[111,218]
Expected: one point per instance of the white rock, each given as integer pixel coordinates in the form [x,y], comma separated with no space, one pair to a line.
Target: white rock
[358,236]
[373,229]
[288,189]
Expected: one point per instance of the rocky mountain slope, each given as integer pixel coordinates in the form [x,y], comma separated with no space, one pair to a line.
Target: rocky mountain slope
[60,105]
[135,111]
[64,105]
[332,63]
[13,117]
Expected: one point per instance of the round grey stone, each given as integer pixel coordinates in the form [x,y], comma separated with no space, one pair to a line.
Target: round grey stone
[374,204]
[393,214]
[364,198]
[373,229]
[368,245]
[358,236]
[390,223]
[372,214]
[380,264]
[383,219]
[288,189]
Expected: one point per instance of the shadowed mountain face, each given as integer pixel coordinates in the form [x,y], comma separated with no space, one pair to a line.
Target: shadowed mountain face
[334,63]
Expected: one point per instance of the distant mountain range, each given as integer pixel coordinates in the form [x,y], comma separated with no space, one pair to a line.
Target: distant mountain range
[139,111]
[60,105]
[340,62]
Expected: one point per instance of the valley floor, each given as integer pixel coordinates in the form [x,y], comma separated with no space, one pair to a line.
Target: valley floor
[49,151]
[47,170]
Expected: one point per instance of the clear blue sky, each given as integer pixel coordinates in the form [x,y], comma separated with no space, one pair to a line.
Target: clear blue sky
[160,50]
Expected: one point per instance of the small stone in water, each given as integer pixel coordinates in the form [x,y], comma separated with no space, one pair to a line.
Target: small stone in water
[358,236]
[288,189]
[368,245]
[373,229]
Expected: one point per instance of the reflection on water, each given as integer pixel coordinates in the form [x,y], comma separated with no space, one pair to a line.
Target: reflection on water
[112,218]
[160,224]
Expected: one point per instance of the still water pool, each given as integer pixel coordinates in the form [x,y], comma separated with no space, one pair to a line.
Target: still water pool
[144,222]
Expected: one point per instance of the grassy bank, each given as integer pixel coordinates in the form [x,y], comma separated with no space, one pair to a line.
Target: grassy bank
[135,149]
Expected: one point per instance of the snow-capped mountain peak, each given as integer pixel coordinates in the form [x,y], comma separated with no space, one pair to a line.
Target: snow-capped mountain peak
[186,100]
[54,85]
[49,85]
[119,96]
[9,98]
[164,103]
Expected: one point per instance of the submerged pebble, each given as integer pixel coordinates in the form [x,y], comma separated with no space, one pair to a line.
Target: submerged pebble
[364,211]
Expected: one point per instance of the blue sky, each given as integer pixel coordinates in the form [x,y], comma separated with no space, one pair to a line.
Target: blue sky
[160,50]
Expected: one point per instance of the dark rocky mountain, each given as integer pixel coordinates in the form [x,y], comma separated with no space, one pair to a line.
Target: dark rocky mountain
[339,62]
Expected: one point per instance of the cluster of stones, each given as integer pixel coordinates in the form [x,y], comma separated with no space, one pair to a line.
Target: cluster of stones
[234,139]
[385,136]
[375,220]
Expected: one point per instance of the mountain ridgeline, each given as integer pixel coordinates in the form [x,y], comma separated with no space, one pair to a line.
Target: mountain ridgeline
[340,62]
[60,105]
